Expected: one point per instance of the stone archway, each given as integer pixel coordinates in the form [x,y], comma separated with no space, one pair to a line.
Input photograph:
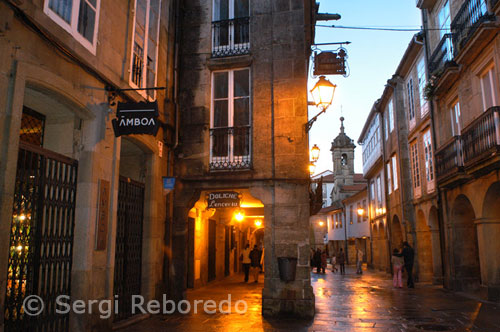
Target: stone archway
[488,232]
[424,249]
[465,245]
[397,233]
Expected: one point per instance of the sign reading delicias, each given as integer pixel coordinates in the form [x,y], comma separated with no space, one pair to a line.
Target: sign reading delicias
[223,199]
[136,118]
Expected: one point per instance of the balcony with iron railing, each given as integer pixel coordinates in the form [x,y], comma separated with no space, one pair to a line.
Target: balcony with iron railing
[442,56]
[449,159]
[230,148]
[481,138]
[467,20]
[231,37]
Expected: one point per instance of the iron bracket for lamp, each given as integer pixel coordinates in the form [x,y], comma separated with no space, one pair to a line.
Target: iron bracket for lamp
[310,123]
[112,92]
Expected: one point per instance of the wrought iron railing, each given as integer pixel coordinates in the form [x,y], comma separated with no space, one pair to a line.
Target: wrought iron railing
[449,158]
[231,37]
[230,148]
[467,20]
[442,55]
[482,136]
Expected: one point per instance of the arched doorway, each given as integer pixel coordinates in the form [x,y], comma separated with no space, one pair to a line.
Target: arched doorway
[424,248]
[465,247]
[488,234]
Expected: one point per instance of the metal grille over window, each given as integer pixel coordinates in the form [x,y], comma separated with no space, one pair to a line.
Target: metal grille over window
[32,127]
[221,159]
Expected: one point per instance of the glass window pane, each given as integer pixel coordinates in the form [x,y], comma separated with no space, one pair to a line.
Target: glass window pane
[221,85]
[487,95]
[86,21]
[241,112]
[220,113]
[221,11]
[220,143]
[241,8]
[241,83]
[154,10]
[62,8]
[241,141]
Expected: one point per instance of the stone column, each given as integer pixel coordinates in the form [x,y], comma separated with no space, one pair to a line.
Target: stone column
[437,268]
[488,234]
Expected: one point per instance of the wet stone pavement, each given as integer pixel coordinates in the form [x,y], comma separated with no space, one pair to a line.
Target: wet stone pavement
[351,302]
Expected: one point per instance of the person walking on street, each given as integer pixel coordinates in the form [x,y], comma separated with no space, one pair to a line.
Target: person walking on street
[245,259]
[359,262]
[397,266]
[341,260]
[324,256]
[255,255]
[408,255]
[334,263]
[317,260]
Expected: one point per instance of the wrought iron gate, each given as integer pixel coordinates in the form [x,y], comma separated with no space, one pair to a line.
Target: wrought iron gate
[128,252]
[41,238]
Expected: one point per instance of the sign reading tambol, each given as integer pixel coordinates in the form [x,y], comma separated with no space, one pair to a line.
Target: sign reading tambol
[223,199]
[136,118]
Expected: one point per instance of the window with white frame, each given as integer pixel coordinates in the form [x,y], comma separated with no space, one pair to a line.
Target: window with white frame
[456,126]
[390,110]
[429,161]
[417,191]
[230,27]
[389,177]
[351,214]
[386,131]
[78,17]
[145,46]
[424,105]
[488,88]
[411,102]
[230,133]
[379,194]
[365,211]
[394,160]
[444,19]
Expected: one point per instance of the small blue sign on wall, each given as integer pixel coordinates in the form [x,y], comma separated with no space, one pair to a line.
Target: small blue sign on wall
[168,185]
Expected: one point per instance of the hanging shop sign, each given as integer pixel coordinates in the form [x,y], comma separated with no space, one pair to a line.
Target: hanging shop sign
[330,63]
[223,199]
[136,119]
[168,185]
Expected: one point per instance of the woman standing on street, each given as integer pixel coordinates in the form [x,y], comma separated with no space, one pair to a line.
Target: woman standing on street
[341,260]
[397,266]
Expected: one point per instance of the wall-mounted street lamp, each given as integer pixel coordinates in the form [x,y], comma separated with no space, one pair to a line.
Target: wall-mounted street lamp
[321,223]
[315,153]
[258,223]
[312,168]
[322,93]
[361,212]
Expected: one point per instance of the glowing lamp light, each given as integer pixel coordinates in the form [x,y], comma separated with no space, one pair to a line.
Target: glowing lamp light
[258,223]
[321,223]
[239,215]
[361,211]
[19,248]
[323,92]
[315,153]
[312,168]
[22,217]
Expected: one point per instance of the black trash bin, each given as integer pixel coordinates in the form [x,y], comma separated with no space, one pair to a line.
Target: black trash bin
[287,267]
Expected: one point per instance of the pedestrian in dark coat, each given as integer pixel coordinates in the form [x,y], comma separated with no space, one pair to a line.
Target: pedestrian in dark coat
[408,255]
[324,257]
[341,261]
[317,260]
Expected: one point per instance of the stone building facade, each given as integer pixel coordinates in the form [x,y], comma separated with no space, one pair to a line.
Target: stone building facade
[243,104]
[464,74]
[82,212]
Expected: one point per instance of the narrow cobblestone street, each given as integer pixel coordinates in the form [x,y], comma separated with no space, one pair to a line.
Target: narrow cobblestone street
[343,303]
